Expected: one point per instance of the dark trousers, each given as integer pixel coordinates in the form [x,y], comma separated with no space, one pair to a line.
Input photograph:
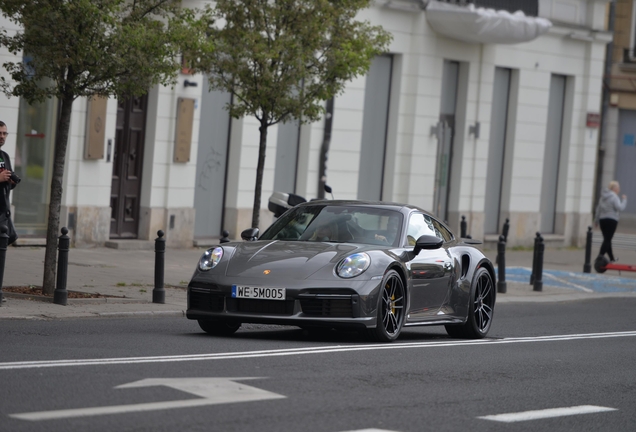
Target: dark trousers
[608,228]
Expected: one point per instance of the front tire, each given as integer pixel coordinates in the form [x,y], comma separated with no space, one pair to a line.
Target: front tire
[219,328]
[391,307]
[481,308]
[600,264]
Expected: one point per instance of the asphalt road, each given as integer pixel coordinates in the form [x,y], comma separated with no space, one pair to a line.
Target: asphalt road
[163,374]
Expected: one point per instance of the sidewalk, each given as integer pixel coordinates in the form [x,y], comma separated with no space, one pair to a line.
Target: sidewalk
[128,276]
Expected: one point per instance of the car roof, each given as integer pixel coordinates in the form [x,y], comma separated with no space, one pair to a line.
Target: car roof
[363,203]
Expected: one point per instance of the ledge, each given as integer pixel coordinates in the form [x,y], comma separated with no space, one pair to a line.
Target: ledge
[130,244]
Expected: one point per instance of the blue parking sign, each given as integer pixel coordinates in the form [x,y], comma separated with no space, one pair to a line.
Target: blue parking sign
[629,140]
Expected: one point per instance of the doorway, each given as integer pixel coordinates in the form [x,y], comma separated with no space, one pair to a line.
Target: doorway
[377,97]
[552,155]
[496,152]
[212,156]
[445,134]
[127,165]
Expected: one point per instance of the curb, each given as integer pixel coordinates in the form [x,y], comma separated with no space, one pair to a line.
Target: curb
[168,313]
[46,299]
[136,314]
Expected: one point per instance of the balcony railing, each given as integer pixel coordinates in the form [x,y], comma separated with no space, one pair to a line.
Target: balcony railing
[528,7]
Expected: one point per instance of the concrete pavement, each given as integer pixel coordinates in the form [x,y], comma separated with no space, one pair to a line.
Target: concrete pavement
[127,276]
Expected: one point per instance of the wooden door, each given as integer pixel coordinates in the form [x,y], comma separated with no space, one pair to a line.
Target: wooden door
[127,165]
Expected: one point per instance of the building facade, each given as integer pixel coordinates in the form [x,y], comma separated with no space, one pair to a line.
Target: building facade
[456,119]
[617,149]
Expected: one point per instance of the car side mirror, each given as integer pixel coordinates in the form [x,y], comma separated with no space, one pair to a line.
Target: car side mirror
[427,242]
[250,234]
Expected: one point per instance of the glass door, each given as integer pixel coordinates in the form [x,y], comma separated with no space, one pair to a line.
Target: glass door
[33,162]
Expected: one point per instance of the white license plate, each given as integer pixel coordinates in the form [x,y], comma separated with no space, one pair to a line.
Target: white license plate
[239,291]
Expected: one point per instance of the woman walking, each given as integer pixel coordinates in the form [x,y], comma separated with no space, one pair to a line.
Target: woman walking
[607,216]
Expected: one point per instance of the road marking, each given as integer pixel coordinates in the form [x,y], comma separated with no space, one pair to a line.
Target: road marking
[306,351]
[212,391]
[568,282]
[370,430]
[547,413]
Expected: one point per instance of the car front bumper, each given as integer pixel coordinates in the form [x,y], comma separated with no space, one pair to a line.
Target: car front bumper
[331,304]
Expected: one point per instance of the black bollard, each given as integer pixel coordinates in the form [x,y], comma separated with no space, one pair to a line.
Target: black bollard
[587,267]
[159,293]
[501,265]
[4,240]
[538,276]
[225,237]
[505,229]
[60,295]
[534,257]
[463,226]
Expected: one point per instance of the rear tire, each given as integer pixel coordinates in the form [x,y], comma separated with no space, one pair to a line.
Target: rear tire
[391,308]
[219,328]
[481,309]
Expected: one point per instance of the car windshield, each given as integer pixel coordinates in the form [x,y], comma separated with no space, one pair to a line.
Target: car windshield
[338,224]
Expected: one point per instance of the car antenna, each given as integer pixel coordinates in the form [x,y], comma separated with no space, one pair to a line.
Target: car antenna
[328,190]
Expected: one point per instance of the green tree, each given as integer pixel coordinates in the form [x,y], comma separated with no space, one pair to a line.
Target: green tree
[282,59]
[84,48]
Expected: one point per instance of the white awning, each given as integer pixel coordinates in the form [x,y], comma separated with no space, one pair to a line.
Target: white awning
[480,25]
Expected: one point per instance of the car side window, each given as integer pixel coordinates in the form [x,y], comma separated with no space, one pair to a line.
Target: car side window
[419,225]
[441,231]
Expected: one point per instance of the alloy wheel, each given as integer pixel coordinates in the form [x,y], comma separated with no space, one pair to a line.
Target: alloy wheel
[484,302]
[392,304]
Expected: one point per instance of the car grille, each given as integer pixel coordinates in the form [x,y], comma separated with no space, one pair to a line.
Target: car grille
[263,307]
[312,305]
[205,301]
[327,307]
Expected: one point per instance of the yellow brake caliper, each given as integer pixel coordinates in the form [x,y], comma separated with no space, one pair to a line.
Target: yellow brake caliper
[393,304]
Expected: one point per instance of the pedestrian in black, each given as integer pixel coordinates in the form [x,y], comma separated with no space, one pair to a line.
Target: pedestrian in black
[606,216]
[8,181]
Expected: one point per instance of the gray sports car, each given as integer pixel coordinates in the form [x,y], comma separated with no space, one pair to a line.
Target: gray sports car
[375,266]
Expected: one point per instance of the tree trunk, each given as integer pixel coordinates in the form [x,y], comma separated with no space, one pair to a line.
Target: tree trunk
[61,142]
[256,210]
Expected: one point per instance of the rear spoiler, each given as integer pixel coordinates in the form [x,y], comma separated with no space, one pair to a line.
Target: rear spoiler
[471,241]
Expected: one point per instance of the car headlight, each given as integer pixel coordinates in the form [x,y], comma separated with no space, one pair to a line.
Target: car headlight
[210,258]
[353,265]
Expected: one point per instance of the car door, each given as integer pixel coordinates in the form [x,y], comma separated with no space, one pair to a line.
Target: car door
[431,270]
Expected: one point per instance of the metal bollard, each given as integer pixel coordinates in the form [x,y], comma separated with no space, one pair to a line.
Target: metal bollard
[463,225]
[4,240]
[534,257]
[225,237]
[587,267]
[60,295]
[501,265]
[159,292]
[505,229]
[538,276]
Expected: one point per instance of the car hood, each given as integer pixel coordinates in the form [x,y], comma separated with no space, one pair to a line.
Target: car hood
[296,260]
